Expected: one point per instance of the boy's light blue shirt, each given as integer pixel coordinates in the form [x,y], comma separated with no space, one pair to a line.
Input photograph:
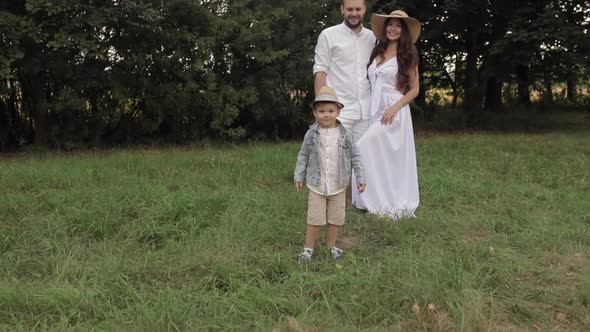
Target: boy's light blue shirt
[308,160]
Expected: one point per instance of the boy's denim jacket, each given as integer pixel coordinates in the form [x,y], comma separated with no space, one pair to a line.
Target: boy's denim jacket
[308,159]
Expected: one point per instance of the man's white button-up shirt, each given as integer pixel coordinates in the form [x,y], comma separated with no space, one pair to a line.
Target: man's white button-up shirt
[344,55]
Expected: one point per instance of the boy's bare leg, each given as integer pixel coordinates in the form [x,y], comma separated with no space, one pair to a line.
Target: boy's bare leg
[311,236]
[332,235]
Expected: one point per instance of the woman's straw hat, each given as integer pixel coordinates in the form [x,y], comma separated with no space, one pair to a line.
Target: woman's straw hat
[378,23]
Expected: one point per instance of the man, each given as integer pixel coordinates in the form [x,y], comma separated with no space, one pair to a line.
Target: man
[341,57]
[342,54]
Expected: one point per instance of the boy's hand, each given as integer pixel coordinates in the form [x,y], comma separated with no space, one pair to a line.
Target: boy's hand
[361,187]
[298,185]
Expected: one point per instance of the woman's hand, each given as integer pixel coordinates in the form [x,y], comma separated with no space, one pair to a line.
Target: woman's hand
[389,115]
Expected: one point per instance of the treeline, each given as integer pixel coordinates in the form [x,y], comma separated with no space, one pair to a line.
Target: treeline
[92,72]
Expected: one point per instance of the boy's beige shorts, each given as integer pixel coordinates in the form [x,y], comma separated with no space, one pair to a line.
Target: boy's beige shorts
[322,210]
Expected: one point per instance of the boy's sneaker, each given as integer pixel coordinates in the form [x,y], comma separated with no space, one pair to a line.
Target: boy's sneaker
[337,253]
[305,256]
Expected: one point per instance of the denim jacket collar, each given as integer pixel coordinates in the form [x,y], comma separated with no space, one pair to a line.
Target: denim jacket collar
[316,127]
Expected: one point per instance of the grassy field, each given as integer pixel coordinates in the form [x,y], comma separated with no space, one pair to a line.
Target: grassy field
[206,239]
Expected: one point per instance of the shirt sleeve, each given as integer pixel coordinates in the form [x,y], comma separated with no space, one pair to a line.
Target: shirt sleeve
[302,160]
[322,54]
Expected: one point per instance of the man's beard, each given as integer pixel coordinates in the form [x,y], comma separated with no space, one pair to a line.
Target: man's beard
[350,25]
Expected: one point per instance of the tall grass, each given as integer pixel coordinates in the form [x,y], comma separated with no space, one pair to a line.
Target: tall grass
[206,239]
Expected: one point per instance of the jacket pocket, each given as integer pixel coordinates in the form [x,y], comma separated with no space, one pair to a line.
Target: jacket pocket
[344,144]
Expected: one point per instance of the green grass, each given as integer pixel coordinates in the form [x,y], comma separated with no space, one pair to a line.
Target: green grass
[206,239]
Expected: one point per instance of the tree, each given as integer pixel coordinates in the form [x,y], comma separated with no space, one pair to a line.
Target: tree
[79,72]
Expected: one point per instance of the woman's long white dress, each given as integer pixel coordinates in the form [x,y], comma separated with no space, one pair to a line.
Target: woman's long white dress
[387,151]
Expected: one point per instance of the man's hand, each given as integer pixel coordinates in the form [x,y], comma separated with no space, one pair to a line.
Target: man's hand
[298,185]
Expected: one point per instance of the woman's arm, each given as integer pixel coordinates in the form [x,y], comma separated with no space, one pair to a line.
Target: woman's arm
[412,93]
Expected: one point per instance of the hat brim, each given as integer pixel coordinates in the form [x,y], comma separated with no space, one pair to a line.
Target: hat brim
[340,105]
[378,25]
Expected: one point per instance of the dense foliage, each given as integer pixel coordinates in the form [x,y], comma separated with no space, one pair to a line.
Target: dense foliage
[96,72]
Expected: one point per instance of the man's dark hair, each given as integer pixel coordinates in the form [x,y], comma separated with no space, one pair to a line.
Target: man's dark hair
[343,1]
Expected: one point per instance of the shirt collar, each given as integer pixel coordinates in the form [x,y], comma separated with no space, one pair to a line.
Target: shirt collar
[345,27]
[316,126]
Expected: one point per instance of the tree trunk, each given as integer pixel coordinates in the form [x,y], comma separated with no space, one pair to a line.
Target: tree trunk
[522,76]
[36,102]
[96,126]
[421,98]
[548,86]
[571,87]
[4,126]
[16,120]
[472,100]
[493,99]
[453,84]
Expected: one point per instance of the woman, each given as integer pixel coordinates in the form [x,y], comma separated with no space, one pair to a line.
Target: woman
[387,148]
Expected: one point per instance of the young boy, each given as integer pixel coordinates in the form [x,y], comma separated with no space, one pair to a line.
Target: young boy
[324,162]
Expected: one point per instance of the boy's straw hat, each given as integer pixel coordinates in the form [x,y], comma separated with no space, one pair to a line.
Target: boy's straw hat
[378,22]
[326,93]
